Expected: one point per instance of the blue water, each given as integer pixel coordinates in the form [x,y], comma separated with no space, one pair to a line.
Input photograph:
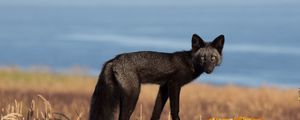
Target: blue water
[262,42]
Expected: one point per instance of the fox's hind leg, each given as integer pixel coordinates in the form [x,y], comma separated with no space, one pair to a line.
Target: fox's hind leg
[128,103]
[129,92]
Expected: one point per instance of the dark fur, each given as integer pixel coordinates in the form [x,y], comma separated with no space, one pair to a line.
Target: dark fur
[120,80]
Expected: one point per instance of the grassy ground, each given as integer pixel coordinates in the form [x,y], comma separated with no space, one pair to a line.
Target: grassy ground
[69,95]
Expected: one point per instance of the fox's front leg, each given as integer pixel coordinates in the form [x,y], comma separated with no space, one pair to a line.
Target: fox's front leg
[174,94]
[161,100]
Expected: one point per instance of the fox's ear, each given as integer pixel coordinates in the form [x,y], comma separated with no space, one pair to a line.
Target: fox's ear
[197,42]
[218,43]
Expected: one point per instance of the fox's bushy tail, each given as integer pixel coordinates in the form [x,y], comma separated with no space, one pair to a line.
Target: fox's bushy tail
[105,97]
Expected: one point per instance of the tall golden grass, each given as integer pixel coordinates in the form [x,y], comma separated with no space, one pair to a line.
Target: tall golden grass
[40,94]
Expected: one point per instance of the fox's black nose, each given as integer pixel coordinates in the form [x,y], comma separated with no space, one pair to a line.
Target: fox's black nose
[208,71]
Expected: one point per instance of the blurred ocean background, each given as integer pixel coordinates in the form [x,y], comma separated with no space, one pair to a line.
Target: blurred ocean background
[261,48]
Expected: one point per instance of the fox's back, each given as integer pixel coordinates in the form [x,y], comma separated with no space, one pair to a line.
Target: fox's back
[144,59]
[149,66]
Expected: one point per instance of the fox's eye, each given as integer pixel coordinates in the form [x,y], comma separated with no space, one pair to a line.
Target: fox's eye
[213,58]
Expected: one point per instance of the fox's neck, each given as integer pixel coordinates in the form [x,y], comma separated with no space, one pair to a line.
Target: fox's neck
[187,57]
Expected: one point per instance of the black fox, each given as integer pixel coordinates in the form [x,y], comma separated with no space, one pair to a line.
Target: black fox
[121,78]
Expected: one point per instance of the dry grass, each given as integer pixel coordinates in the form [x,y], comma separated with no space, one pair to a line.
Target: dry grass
[37,94]
[35,111]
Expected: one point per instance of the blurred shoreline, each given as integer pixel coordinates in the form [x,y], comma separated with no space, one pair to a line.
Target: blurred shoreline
[222,80]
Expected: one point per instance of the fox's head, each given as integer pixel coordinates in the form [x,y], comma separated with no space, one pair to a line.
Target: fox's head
[207,55]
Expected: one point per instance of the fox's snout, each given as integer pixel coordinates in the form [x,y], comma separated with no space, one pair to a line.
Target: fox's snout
[209,69]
